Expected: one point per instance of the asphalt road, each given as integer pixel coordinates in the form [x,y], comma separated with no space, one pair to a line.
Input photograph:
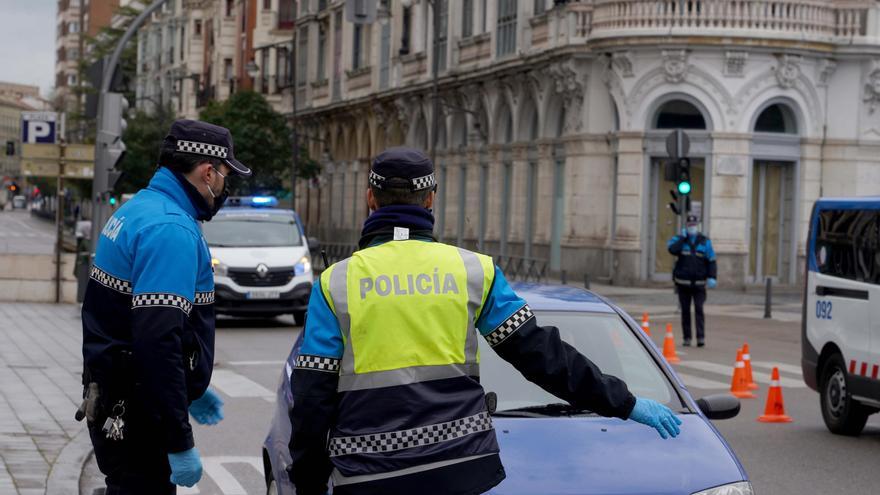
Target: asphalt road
[797,458]
[22,234]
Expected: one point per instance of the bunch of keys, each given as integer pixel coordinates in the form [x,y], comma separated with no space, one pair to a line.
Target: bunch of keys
[114,426]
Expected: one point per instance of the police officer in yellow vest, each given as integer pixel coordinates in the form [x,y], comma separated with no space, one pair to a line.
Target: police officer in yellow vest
[386,391]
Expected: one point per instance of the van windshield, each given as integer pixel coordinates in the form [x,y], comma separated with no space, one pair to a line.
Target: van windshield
[252,231]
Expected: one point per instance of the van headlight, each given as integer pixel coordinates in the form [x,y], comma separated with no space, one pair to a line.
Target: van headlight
[738,488]
[304,266]
[220,269]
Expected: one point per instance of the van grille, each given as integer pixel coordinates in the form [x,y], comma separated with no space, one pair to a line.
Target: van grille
[275,277]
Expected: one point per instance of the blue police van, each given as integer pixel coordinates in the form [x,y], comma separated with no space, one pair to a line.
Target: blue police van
[841,314]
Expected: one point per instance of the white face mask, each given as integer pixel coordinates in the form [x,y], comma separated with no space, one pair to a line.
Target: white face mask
[692,230]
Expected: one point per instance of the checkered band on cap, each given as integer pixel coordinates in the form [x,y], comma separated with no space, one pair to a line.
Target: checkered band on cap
[159,300]
[317,363]
[203,298]
[425,182]
[202,148]
[376,180]
[405,439]
[110,281]
[509,326]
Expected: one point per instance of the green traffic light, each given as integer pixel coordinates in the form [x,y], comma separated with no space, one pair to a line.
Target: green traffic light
[684,187]
[113,201]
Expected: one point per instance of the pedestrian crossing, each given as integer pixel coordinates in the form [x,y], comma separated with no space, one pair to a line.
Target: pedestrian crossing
[14,234]
[224,475]
[706,375]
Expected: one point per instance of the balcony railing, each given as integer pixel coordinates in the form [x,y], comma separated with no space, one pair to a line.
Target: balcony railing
[807,19]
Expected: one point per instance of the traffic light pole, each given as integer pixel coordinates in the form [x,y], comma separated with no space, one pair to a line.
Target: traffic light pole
[59,217]
[109,126]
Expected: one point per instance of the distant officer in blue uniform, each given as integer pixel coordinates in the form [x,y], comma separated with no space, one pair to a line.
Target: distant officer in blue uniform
[386,390]
[148,319]
[695,269]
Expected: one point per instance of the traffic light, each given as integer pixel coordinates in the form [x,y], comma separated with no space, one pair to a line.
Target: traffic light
[684,177]
[13,188]
[110,149]
[112,201]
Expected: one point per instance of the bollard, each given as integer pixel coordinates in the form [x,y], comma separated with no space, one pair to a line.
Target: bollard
[586,281]
[768,298]
[564,278]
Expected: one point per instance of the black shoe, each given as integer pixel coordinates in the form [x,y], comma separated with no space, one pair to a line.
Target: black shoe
[686,343]
[701,343]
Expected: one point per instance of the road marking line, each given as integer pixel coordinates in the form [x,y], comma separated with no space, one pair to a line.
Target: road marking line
[235,385]
[787,368]
[728,371]
[215,470]
[255,363]
[703,383]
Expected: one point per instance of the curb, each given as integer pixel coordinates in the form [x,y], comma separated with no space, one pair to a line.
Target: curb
[67,469]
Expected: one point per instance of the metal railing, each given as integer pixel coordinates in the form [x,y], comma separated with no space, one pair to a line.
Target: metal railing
[523,269]
[818,18]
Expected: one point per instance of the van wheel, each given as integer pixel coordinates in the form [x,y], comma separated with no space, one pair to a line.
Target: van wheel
[299,317]
[842,414]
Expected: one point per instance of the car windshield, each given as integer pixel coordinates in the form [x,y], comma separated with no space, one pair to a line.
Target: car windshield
[604,338]
[252,231]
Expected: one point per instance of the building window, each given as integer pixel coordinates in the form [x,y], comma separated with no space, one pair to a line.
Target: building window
[227,69]
[182,40]
[322,4]
[483,18]
[302,56]
[281,68]
[303,7]
[267,4]
[73,53]
[540,6]
[443,34]
[230,6]
[406,31]
[73,27]
[71,79]
[357,51]
[322,49]
[197,27]
[286,14]
[467,18]
[506,31]
[264,70]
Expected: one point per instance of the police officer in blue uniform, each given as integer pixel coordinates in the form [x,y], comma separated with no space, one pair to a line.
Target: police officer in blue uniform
[148,319]
[695,270]
[386,391]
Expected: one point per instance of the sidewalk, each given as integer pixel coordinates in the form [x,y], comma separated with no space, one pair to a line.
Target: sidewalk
[42,448]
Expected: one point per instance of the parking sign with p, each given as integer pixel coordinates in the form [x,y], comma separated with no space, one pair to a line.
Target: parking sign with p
[38,127]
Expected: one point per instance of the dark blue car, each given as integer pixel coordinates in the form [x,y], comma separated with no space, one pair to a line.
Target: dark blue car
[548,450]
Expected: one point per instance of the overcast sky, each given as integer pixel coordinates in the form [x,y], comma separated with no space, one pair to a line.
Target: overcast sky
[27,42]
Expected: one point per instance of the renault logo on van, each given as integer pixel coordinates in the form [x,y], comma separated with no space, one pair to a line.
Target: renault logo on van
[262,270]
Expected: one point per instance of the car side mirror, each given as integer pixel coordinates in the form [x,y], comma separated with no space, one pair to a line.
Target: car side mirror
[314,245]
[719,406]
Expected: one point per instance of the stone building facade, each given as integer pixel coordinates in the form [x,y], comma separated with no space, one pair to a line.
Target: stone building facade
[552,121]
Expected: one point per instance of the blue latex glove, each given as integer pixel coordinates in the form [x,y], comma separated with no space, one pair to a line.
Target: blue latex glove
[207,409]
[712,283]
[661,418]
[186,467]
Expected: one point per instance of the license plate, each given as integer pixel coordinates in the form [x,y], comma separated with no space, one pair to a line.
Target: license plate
[264,294]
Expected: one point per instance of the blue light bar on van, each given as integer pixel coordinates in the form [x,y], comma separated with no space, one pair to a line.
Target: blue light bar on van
[252,201]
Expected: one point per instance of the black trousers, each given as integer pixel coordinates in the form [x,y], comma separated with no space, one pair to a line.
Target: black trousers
[137,464]
[698,295]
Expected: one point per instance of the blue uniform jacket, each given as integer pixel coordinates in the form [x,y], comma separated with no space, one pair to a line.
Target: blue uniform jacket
[696,260]
[148,315]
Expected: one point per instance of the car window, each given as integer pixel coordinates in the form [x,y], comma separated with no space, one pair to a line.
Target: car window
[604,338]
[252,232]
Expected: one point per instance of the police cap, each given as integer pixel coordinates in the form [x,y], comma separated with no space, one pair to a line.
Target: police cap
[692,220]
[201,138]
[403,163]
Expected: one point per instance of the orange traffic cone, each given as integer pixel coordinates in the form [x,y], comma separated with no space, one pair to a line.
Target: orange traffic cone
[747,360]
[669,346]
[646,325]
[774,411]
[739,387]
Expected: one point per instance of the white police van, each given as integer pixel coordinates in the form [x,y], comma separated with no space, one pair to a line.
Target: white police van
[261,260]
[841,316]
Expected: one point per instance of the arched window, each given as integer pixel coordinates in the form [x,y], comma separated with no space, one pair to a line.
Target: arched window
[777,118]
[679,114]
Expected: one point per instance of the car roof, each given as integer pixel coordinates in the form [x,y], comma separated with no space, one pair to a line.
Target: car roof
[547,297]
[248,210]
[851,203]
